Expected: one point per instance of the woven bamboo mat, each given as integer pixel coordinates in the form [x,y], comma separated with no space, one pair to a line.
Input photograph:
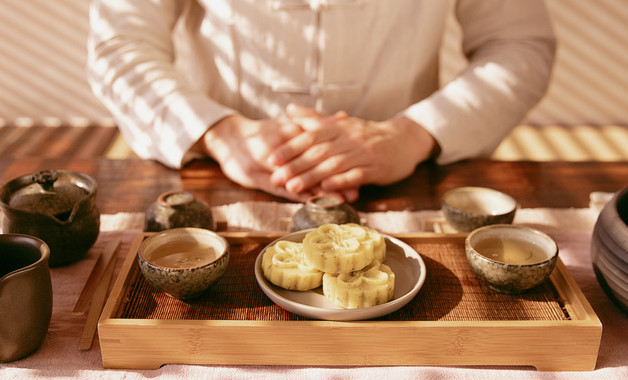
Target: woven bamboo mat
[451,292]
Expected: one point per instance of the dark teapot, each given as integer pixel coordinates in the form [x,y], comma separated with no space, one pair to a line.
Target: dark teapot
[57,206]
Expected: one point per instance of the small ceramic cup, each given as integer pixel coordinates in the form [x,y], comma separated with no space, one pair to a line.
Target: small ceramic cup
[323,209]
[468,208]
[511,259]
[183,262]
[25,295]
[176,209]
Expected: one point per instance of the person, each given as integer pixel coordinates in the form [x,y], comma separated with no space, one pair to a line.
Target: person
[297,97]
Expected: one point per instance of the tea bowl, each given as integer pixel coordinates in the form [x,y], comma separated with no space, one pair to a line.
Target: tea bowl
[511,259]
[183,262]
[323,209]
[176,209]
[468,208]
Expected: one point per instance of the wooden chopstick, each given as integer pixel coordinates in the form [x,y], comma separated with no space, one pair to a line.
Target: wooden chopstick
[98,300]
[83,300]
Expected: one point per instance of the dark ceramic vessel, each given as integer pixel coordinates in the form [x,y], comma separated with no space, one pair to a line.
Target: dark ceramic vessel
[56,206]
[323,209]
[25,295]
[609,249]
[176,209]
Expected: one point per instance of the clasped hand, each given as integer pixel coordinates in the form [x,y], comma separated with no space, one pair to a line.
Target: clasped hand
[307,153]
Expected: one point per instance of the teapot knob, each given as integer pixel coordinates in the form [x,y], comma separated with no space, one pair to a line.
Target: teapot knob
[46,178]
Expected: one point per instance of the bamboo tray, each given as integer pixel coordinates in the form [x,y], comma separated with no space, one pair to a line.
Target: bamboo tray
[453,321]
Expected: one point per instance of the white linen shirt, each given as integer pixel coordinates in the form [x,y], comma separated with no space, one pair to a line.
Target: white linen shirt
[168,70]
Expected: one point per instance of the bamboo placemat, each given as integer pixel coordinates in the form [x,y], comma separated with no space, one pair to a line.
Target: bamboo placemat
[451,292]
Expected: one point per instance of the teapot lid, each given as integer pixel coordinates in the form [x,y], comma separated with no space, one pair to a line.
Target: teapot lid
[49,192]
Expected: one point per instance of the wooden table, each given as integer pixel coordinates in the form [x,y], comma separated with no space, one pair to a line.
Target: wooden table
[130,185]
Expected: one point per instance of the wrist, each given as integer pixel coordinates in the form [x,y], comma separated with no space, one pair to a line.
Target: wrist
[211,141]
[428,146]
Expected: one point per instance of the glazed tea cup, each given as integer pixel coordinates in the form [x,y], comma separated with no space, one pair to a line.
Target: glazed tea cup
[323,209]
[511,259]
[468,208]
[177,209]
[183,262]
[25,295]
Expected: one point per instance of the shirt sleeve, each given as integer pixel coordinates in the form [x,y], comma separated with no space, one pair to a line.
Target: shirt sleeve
[130,67]
[510,46]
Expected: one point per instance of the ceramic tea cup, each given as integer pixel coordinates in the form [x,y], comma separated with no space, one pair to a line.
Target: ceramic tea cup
[25,295]
[183,262]
[511,259]
[468,208]
[176,209]
[323,209]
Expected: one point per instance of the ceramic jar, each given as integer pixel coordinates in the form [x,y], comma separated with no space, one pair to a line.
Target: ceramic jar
[25,295]
[57,206]
[178,208]
[323,209]
[609,249]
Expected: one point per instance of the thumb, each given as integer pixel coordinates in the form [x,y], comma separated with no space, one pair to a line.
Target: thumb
[309,118]
[306,117]
[296,111]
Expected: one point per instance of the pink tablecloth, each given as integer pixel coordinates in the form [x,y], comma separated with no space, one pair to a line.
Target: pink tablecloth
[59,356]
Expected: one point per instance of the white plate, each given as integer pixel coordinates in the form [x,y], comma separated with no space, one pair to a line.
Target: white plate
[404,261]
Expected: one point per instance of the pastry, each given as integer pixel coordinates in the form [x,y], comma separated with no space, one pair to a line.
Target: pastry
[379,243]
[338,248]
[373,285]
[282,265]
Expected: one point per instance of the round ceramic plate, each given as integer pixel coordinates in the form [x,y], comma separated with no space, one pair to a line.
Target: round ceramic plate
[404,261]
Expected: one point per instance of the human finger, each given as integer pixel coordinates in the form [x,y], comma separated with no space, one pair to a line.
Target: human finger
[330,166]
[309,118]
[300,145]
[352,178]
[261,180]
[317,162]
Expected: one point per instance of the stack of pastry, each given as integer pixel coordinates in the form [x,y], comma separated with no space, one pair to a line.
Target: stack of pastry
[347,259]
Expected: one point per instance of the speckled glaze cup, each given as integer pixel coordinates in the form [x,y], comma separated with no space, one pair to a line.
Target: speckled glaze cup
[176,209]
[507,276]
[183,262]
[323,209]
[468,208]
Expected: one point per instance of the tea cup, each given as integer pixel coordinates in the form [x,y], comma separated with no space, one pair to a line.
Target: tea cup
[183,262]
[511,259]
[470,207]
